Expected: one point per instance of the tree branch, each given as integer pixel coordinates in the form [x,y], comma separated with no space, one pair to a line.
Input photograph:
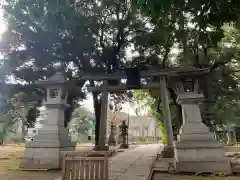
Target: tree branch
[165,56]
[221,63]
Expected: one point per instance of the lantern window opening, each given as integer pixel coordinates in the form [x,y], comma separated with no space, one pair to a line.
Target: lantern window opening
[64,94]
[54,93]
[188,85]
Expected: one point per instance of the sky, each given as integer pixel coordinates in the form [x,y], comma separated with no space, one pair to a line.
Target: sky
[88,103]
[3,27]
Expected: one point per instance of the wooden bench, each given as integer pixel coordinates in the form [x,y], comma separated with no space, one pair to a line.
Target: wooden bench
[92,165]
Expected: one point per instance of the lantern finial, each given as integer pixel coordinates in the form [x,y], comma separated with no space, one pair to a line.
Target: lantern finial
[57,66]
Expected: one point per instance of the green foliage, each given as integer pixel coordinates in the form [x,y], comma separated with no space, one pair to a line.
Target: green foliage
[85,36]
[82,120]
[198,31]
[163,132]
[41,33]
[6,126]
[222,87]
[32,114]
[144,100]
[141,101]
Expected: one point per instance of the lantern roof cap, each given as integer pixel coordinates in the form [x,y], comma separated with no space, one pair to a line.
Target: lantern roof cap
[58,76]
[57,79]
[188,70]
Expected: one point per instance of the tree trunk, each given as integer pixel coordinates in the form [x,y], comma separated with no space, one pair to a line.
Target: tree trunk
[230,138]
[69,111]
[3,132]
[179,120]
[22,120]
[23,130]
[1,138]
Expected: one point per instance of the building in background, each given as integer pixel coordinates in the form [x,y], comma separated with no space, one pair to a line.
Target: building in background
[141,128]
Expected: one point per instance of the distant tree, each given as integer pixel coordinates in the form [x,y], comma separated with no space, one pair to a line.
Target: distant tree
[6,120]
[141,102]
[19,111]
[82,121]
[145,104]
[6,127]
[196,29]
[116,102]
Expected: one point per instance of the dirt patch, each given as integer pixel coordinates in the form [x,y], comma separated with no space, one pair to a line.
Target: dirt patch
[51,175]
[10,157]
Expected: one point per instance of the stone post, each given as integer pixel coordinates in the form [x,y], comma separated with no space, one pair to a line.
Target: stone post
[234,135]
[167,122]
[231,139]
[196,150]
[103,119]
[124,134]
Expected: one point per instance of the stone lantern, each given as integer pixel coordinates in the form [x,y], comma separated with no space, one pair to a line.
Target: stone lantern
[112,139]
[124,135]
[196,150]
[45,151]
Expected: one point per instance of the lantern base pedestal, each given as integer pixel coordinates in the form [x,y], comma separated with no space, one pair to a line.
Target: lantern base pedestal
[46,150]
[100,148]
[112,141]
[197,151]
[124,146]
[167,152]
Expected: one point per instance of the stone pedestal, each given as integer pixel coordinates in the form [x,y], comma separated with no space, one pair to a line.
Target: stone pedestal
[167,152]
[44,152]
[101,148]
[196,150]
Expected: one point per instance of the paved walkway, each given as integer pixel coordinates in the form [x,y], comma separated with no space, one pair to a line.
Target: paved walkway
[133,164]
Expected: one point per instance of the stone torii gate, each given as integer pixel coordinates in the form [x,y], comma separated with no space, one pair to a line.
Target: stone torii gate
[105,88]
[196,150]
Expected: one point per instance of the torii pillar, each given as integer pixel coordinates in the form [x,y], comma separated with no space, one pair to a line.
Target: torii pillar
[103,119]
[168,151]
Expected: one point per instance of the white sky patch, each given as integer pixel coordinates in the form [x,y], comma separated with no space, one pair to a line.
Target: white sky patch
[88,103]
[3,26]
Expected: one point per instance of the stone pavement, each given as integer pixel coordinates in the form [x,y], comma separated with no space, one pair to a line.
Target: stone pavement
[133,164]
